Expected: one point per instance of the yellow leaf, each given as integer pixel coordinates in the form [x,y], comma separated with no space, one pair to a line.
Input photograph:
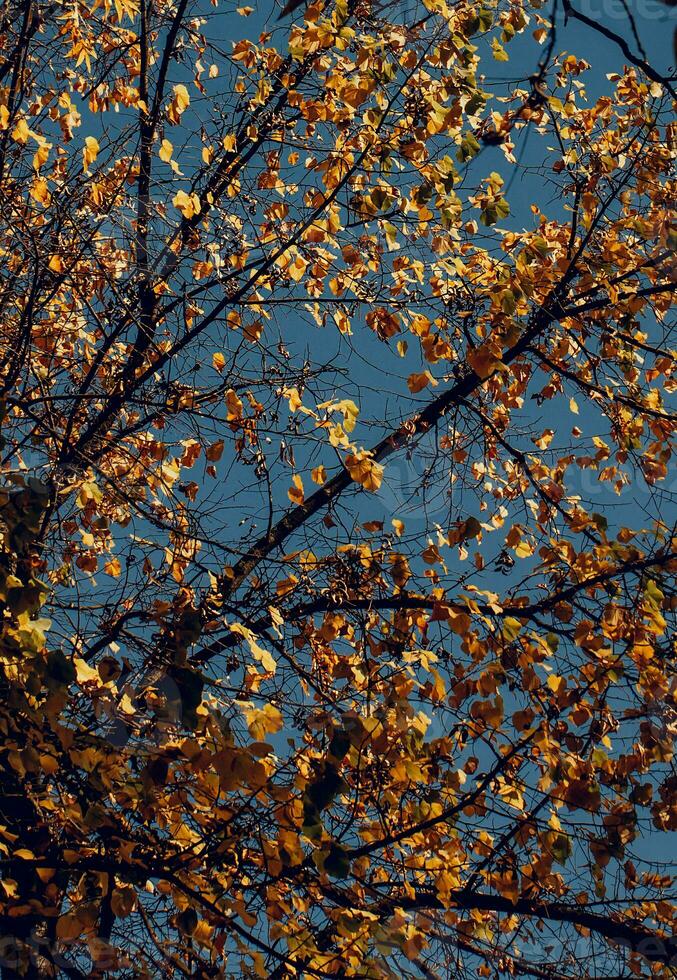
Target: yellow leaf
[573,407]
[90,152]
[544,440]
[187,204]
[500,54]
[417,382]
[21,132]
[342,321]
[166,151]
[233,405]
[511,628]
[277,619]
[181,98]
[292,395]
[113,567]
[350,412]
[262,655]
[524,549]
[219,362]
[253,331]
[297,268]
[511,794]
[40,191]
[286,585]
[263,721]
[295,492]
[84,673]
[483,362]
[125,705]
[41,155]
[365,471]
[319,475]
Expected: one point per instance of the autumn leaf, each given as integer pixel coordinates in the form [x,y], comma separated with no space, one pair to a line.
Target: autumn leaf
[295,492]
[483,362]
[267,661]
[68,927]
[262,721]
[417,382]
[215,451]
[234,406]
[188,204]
[365,471]
[90,152]
[21,132]
[294,399]
[123,900]
[179,104]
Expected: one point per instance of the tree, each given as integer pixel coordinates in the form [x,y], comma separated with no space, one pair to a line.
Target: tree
[336,543]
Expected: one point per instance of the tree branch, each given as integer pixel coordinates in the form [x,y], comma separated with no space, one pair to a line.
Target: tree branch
[653,946]
[411,601]
[622,44]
